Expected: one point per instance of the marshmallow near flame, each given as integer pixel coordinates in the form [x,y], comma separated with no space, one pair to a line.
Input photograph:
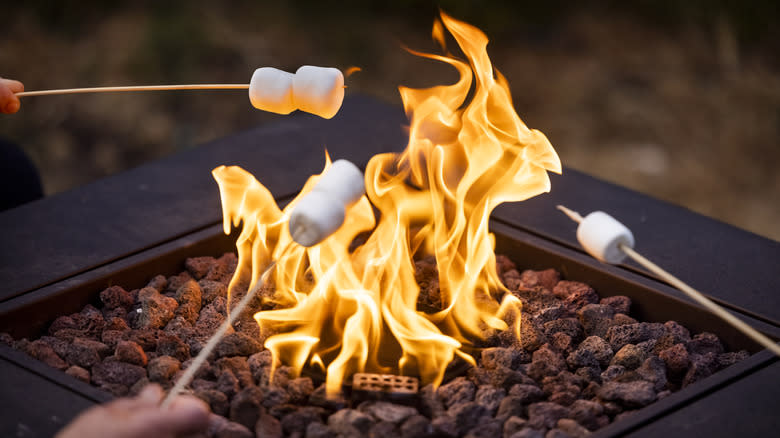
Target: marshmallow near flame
[322,211]
[316,90]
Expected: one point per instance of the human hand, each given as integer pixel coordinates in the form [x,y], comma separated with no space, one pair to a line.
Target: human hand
[9,103]
[140,417]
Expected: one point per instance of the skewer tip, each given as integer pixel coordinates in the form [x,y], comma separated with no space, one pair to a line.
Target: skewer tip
[573,215]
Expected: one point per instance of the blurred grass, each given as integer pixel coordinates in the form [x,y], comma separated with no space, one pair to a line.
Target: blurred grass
[680,100]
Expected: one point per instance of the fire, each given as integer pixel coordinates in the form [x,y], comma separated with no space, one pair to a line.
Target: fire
[355,310]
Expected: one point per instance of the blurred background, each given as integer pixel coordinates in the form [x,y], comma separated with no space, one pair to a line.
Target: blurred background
[679,100]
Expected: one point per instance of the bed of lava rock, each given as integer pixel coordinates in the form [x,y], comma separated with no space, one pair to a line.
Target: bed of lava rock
[582,362]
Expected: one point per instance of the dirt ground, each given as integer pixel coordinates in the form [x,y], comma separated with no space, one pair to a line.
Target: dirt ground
[688,113]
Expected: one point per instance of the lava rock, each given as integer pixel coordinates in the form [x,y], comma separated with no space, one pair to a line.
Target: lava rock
[486,427]
[221,427]
[492,358]
[702,365]
[513,425]
[162,368]
[546,362]
[574,294]
[547,279]
[676,359]
[198,267]
[246,406]
[620,335]
[528,433]
[188,295]
[217,400]
[630,357]
[545,414]
[116,296]
[85,352]
[172,345]
[130,352]
[729,359]
[596,319]
[619,303]
[567,326]
[571,428]
[296,421]
[416,426]
[45,353]
[115,372]
[593,351]
[459,390]
[704,343]
[316,430]
[466,415]
[526,394]
[237,344]
[588,413]
[268,426]
[350,423]
[156,309]
[275,395]
[388,412]
[531,337]
[653,370]
[299,389]
[511,406]
[489,397]
[635,394]
[79,373]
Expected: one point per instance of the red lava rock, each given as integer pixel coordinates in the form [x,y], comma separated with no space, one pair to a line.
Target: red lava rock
[593,351]
[224,428]
[588,413]
[60,346]
[237,344]
[146,338]
[416,426]
[728,359]
[188,295]
[459,390]
[704,343]
[613,372]
[162,368]
[466,415]
[44,353]
[156,309]
[629,357]
[223,270]
[269,427]
[489,397]
[130,352]
[228,383]
[62,323]
[630,394]
[239,366]
[112,337]
[596,319]
[653,370]
[531,337]
[387,412]
[84,353]
[513,425]
[676,358]
[300,389]
[571,428]
[175,281]
[90,320]
[116,323]
[504,264]
[702,365]
[492,358]
[575,292]
[171,345]
[620,335]
[159,282]
[318,430]
[217,401]
[115,372]
[487,427]
[567,326]
[526,394]
[618,303]
[198,267]
[545,414]
[511,406]
[350,422]
[211,289]
[547,279]
[245,408]
[116,296]
[297,420]
[79,373]
[275,395]
[546,362]
[678,333]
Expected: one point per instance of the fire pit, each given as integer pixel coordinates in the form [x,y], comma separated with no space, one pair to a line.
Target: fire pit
[416,345]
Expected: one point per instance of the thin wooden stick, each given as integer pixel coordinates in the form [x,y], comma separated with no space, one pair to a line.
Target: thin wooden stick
[704,301]
[189,374]
[134,88]
[691,292]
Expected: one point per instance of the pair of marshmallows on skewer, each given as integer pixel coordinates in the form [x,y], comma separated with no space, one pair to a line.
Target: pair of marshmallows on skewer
[316,90]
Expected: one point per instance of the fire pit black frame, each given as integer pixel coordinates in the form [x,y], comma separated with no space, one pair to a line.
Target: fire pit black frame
[58,253]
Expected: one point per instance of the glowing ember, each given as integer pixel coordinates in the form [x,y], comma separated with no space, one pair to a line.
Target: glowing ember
[352,311]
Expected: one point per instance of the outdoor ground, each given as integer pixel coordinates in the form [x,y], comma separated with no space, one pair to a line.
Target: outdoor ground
[677,102]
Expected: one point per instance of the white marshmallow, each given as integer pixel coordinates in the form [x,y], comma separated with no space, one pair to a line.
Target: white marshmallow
[271,90]
[600,234]
[318,90]
[321,212]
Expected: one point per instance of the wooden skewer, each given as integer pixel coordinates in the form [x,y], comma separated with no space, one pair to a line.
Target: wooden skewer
[697,296]
[134,88]
[189,374]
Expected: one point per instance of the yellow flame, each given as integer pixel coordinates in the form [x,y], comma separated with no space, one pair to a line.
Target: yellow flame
[351,311]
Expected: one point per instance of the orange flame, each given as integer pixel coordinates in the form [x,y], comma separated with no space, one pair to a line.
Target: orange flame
[349,311]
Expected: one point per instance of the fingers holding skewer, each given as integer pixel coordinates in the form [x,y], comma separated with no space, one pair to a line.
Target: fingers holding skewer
[9,102]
